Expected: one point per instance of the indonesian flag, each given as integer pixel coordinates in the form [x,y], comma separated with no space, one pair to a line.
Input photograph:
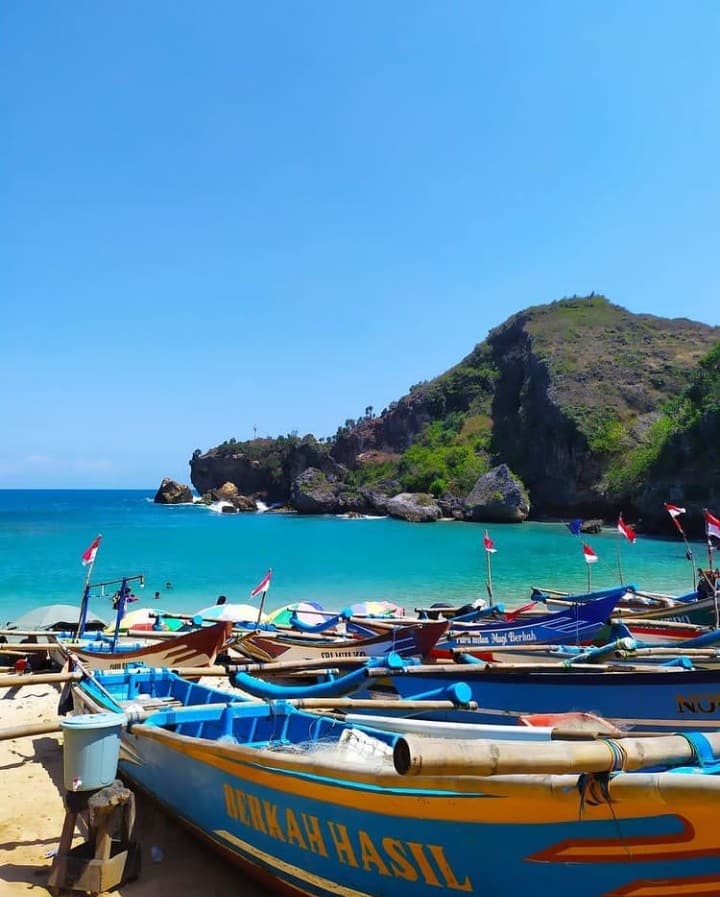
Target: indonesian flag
[589,554]
[262,586]
[626,530]
[488,543]
[88,556]
[673,510]
[712,525]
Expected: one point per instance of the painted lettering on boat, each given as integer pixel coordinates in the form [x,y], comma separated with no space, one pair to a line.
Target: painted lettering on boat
[390,857]
[493,639]
[348,652]
[700,703]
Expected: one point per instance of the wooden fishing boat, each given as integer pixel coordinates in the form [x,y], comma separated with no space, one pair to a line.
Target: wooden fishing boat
[196,648]
[311,805]
[412,639]
[665,633]
[577,623]
[651,698]
[654,641]
[691,607]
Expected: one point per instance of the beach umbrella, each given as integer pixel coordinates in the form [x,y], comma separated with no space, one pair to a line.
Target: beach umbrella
[376,609]
[235,613]
[57,617]
[309,612]
[144,618]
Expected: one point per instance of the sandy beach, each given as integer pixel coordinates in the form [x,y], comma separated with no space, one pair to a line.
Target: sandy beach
[32,814]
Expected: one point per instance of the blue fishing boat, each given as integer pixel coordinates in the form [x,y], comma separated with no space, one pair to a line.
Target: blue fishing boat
[695,607]
[650,697]
[656,698]
[310,805]
[576,623]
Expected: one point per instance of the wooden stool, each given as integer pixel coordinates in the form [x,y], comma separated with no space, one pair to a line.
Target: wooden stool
[109,857]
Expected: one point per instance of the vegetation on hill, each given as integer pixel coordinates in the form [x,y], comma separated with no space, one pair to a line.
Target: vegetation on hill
[684,442]
[583,400]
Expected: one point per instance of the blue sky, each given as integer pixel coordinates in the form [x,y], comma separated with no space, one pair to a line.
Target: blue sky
[227,217]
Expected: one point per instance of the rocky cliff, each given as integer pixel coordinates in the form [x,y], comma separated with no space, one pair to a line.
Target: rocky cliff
[560,393]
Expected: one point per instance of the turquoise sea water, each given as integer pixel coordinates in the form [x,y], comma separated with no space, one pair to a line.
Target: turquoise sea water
[331,560]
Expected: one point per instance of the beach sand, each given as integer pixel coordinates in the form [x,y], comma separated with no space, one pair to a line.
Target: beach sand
[32,814]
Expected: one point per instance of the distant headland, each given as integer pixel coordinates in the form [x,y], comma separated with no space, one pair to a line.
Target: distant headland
[576,408]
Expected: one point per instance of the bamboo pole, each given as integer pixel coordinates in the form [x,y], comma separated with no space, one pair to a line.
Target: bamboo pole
[669,651]
[176,714]
[395,704]
[457,757]
[21,679]
[275,668]
[478,670]
[657,624]
[29,729]
[21,650]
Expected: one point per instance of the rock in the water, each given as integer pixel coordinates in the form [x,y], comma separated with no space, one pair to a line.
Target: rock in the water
[498,497]
[173,493]
[233,500]
[415,507]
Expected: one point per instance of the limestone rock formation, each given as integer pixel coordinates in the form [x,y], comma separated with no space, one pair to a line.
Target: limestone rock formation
[498,497]
[416,507]
[173,493]
[264,468]
[229,493]
[312,492]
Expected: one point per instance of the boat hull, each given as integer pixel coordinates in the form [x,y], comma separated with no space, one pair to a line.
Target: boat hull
[415,639]
[310,833]
[671,700]
[320,823]
[197,648]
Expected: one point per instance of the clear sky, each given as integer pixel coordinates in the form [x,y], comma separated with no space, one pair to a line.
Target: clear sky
[220,218]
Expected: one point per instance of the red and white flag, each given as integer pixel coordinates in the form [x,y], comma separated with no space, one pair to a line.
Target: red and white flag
[488,543]
[712,525]
[673,510]
[589,554]
[88,556]
[626,530]
[262,586]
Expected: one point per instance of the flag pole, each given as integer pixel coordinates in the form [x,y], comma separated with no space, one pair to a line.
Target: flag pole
[688,551]
[262,589]
[488,583]
[85,600]
[710,576]
[489,549]
[262,605]
[709,543]
[617,552]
